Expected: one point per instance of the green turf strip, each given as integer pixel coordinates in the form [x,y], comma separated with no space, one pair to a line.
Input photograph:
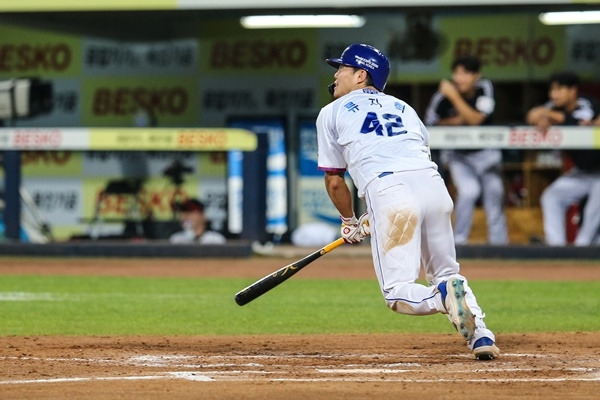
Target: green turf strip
[59,305]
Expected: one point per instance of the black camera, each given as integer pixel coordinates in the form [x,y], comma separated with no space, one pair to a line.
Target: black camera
[23,98]
[176,170]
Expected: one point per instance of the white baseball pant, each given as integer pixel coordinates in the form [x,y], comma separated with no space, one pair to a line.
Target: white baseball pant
[409,216]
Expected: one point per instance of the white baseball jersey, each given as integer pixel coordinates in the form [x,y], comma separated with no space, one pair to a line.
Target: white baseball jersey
[208,237]
[368,132]
[383,144]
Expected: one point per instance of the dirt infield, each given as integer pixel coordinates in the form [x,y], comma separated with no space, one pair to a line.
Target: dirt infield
[532,366]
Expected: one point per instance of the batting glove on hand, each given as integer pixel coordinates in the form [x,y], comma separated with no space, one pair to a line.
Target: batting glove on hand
[363,223]
[352,231]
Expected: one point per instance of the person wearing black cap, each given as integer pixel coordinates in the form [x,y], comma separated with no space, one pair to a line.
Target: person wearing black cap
[194,224]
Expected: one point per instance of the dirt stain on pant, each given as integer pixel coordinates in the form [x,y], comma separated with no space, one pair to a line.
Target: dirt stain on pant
[402,228]
[403,308]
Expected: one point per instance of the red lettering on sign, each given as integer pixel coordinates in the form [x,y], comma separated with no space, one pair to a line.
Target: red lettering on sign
[149,201]
[191,139]
[115,204]
[528,137]
[25,57]
[503,47]
[24,138]
[504,51]
[160,201]
[258,54]
[45,157]
[126,101]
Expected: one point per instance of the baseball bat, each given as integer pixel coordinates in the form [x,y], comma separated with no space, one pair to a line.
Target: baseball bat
[270,281]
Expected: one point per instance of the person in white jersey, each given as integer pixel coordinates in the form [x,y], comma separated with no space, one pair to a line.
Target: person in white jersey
[384,146]
[195,225]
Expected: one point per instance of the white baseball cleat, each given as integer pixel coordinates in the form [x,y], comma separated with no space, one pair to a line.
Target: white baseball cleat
[456,305]
[485,349]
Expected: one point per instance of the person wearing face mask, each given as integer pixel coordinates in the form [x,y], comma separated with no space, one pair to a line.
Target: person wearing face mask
[195,225]
[468,100]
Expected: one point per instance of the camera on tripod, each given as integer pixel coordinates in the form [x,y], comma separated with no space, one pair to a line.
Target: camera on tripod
[23,98]
[176,170]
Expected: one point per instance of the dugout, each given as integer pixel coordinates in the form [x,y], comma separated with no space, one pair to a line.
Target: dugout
[194,73]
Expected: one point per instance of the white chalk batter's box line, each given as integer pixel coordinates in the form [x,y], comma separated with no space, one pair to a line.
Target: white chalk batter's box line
[163,360]
[203,362]
[76,297]
[253,361]
[395,372]
[194,376]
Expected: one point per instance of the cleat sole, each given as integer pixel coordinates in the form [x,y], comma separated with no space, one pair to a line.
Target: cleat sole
[456,305]
[486,353]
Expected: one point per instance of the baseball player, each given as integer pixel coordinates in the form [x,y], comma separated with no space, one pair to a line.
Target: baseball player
[383,144]
[469,100]
[567,107]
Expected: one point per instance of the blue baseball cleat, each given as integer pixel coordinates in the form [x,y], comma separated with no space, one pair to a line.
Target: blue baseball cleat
[485,349]
[453,296]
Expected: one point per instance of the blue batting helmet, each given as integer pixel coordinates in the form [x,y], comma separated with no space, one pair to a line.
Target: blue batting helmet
[368,58]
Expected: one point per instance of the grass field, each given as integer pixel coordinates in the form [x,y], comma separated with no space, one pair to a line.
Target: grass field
[152,329]
[89,305]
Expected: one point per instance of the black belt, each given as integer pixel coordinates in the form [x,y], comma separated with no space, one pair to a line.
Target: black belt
[381,175]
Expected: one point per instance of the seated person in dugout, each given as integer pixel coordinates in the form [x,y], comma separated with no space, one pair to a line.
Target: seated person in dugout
[195,225]
[469,100]
[581,179]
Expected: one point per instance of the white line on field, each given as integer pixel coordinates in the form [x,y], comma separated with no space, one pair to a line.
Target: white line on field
[478,370]
[210,368]
[30,296]
[48,296]
[192,376]
[66,359]
[453,380]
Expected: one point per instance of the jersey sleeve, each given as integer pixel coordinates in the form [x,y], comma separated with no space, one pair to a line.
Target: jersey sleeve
[586,110]
[330,152]
[425,133]
[432,115]
[486,103]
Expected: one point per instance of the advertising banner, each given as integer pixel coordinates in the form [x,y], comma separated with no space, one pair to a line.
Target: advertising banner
[52,164]
[258,52]
[59,201]
[31,52]
[112,58]
[115,101]
[123,139]
[583,50]
[510,46]
[259,96]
